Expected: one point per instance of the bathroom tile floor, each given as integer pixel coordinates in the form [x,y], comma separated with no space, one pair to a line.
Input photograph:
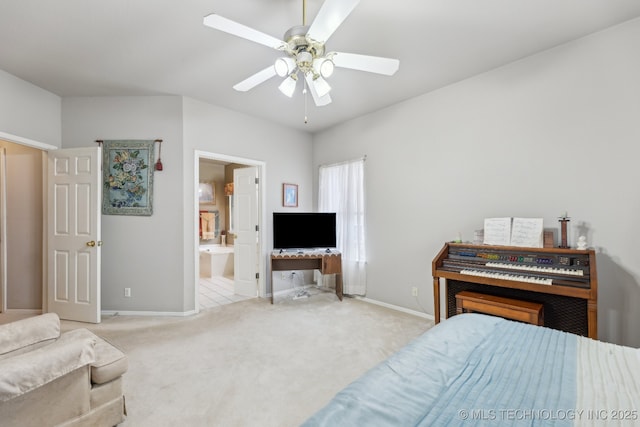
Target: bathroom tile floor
[217,291]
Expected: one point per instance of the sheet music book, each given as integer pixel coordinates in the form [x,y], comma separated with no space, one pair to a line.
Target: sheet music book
[527,232]
[497,231]
[524,232]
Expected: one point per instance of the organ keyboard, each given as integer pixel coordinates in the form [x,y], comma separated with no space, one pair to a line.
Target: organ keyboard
[564,280]
[505,276]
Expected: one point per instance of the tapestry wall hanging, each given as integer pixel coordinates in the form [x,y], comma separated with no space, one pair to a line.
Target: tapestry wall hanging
[128,177]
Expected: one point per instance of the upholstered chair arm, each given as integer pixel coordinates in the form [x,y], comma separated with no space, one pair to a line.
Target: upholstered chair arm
[27,371]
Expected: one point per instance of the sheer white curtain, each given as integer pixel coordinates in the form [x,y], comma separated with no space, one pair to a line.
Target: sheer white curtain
[341,190]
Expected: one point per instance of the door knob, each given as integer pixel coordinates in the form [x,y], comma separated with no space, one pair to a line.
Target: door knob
[91,243]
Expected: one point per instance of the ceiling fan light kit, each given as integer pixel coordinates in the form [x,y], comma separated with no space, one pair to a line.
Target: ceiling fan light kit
[284,66]
[288,85]
[324,66]
[305,49]
[322,87]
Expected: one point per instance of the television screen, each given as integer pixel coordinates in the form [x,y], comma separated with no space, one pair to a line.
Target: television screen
[304,230]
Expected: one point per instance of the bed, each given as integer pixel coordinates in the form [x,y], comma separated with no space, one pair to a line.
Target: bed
[480,370]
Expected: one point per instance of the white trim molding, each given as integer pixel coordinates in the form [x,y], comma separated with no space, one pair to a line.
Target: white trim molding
[26,141]
[149,313]
[397,308]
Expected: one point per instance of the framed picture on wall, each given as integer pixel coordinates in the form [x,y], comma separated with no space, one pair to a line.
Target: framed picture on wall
[127,177]
[207,193]
[290,195]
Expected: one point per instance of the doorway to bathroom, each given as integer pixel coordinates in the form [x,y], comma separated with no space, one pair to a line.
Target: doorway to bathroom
[228,262]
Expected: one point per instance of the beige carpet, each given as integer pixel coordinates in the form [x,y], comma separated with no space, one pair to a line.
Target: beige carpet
[251,363]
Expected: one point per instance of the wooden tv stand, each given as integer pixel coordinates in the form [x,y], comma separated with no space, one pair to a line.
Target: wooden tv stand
[326,262]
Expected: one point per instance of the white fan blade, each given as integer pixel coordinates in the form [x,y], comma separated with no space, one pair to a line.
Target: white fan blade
[320,101]
[372,64]
[331,14]
[256,79]
[228,26]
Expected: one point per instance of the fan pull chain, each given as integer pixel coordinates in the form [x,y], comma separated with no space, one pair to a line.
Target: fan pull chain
[304,92]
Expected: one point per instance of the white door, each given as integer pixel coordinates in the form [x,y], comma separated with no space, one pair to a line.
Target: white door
[73,233]
[245,247]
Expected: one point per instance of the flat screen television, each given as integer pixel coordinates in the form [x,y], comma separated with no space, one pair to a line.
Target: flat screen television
[304,230]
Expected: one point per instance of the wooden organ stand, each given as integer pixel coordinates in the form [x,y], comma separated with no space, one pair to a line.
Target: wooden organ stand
[326,262]
[563,280]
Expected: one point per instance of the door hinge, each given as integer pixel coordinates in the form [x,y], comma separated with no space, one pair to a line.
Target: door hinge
[257,180]
[257,227]
[257,275]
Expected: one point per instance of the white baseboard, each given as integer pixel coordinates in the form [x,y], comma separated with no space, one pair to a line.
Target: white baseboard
[397,308]
[25,311]
[35,312]
[192,312]
[149,313]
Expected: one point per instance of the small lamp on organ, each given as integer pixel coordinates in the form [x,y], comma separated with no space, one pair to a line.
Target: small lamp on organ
[582,242]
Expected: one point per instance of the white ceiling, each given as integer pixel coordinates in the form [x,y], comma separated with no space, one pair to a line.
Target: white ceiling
[161,47]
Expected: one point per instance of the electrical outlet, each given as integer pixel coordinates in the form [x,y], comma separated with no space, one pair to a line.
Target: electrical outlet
[414,291]
[127,292]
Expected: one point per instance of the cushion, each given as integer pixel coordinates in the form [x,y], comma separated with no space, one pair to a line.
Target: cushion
[27,332]
[110,362]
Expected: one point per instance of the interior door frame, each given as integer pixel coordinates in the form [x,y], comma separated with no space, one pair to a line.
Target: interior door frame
[44,147]
[3,230]
[262,173]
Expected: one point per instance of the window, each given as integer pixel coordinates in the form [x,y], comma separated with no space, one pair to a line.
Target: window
[341,190]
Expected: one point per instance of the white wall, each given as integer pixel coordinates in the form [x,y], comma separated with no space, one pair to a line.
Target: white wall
[29,111]
[551,133]
[287,154]
[154,255]
[143,253]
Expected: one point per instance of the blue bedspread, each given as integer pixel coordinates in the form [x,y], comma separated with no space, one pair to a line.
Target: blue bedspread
[470,370]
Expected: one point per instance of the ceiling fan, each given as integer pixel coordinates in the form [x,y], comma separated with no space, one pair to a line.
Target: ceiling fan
[304,47]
